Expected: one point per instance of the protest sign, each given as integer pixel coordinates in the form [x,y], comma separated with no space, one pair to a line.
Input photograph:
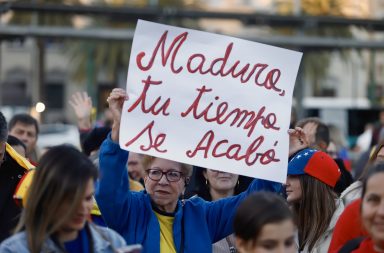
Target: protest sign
[209,100]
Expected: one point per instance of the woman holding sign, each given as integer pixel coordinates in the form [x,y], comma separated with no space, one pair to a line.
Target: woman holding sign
[156,217]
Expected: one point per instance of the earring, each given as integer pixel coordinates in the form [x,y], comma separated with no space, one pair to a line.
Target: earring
[206,182]
[238,182]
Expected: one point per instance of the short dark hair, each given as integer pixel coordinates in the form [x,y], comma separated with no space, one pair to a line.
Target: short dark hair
[3,128]
[24,119]
[258,210]
[14,141]
[322,130]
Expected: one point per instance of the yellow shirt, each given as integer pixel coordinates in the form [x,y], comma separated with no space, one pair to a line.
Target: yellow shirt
[166,233]
[135,186]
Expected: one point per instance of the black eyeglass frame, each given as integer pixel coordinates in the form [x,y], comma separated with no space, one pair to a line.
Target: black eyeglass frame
[167,173]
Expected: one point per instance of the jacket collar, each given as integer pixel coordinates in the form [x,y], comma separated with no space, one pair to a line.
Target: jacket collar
[100,242]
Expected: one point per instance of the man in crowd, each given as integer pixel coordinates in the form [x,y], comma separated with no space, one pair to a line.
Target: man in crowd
[12,168]
[318,137]
[25,128]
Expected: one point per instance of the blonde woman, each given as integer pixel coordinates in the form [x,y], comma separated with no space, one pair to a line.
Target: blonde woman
[58,207]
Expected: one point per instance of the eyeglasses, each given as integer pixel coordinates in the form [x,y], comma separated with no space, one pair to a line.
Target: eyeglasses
[172,175]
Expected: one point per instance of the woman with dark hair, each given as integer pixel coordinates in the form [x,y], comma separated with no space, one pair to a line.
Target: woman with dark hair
[312,175]
[212,185]
[349,224]
[58,206]
[372,213]
[263,223]
[202,185]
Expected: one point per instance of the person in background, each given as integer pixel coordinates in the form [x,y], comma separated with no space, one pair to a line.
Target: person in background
[91,138]
[17,145]
[312,175]
[212,185]
[26,128]
[60,199]
[338,139]
[13,167]
[263,223]
[293,118]
[372,214]
[317,136]
[349,225]
[365,157]
[363,142]
[377,126]
[135,167]
[157,218]
[353,192]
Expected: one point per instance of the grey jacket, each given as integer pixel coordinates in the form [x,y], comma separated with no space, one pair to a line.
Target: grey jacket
[105,241]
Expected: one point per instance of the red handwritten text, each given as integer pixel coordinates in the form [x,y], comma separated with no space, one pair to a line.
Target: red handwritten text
[221,115]
[141,100]
[222,148]
[164,55]
[153,143]
[218,66]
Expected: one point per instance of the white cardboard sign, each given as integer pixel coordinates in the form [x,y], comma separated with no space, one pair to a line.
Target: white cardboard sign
[209,100]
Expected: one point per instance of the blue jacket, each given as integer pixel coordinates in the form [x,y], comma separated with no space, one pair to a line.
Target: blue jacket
[104,241]
[130,213]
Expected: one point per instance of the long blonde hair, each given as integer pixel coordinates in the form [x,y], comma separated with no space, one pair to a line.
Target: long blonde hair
[56,191]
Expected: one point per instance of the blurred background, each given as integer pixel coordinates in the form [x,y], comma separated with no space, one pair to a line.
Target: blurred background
[50,49]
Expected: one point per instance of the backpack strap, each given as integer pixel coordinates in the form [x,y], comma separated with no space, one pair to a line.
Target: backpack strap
[351,245]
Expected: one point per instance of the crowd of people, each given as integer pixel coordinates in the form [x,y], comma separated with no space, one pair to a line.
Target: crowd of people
[105,199]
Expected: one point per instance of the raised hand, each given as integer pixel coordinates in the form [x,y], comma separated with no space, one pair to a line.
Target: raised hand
[82,105]
[115,101]
[297,140]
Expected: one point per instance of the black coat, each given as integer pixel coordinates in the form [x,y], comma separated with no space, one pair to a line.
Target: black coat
[10,174]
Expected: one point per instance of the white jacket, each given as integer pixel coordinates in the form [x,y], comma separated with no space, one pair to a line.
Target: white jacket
[352,193]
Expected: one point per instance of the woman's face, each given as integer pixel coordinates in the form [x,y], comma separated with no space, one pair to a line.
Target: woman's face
[221,181]
[81,215]
[293,189]
[274,238]
[372,210]
[164,193]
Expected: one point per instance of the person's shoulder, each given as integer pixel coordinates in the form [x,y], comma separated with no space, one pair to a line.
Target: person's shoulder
[15,243]
[108,234]
[194,200]
[351,193]
[19,159]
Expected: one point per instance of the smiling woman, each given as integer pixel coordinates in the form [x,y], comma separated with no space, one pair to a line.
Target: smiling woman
[56,214]
[372,213]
